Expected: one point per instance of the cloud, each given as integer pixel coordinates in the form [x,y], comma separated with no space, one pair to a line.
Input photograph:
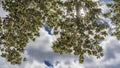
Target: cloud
[110,59]
[34,64]
[111,53]
[40,50]
[5,64]
[2,12]
[111,49]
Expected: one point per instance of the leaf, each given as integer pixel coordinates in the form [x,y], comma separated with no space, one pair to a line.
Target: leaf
[81,59]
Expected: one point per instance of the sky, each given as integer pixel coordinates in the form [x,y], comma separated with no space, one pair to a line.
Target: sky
[39,54]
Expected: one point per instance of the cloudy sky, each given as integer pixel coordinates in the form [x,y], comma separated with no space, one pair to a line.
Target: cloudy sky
[40,54]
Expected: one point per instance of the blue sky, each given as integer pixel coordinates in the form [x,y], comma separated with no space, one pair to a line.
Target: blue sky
[40,54]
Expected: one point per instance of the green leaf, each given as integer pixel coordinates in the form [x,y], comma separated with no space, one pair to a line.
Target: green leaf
[81,59]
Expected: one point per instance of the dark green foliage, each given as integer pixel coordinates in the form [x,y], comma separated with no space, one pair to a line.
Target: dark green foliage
[115,9]
[80,33]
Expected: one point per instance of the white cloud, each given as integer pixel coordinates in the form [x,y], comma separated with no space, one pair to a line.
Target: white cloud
[41,50]
[34,64]
[110,59]
[2,12]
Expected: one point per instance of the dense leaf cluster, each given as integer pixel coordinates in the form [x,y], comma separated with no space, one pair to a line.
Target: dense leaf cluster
[114,15]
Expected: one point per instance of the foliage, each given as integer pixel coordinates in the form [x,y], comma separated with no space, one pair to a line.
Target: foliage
[114,15]
[80,33]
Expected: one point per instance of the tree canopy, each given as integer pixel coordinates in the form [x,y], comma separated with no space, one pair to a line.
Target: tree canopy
[114,15]
[81,29]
